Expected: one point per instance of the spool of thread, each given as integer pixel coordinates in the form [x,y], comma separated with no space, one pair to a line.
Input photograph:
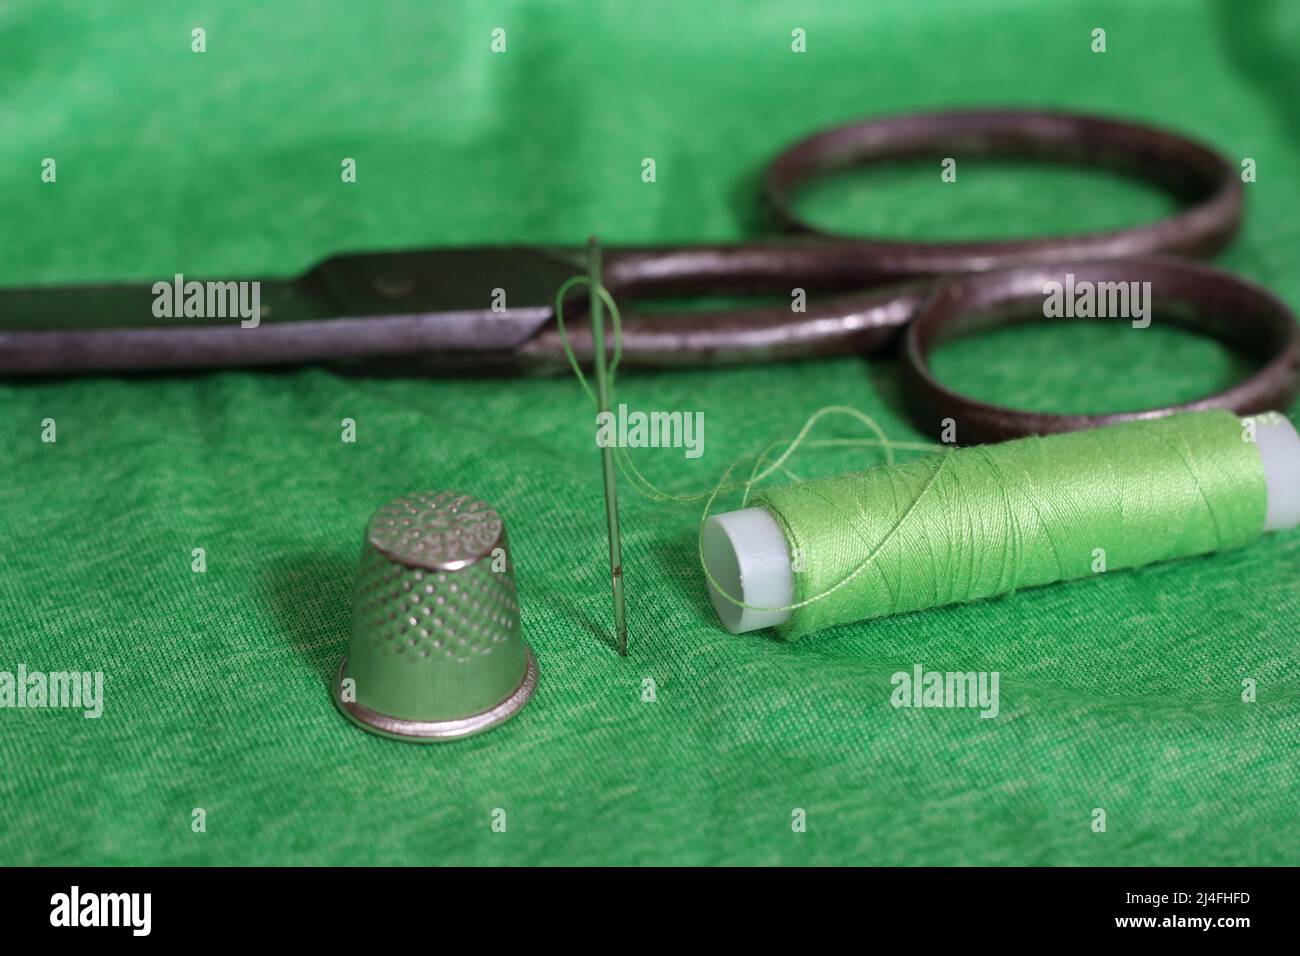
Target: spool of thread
[986,520]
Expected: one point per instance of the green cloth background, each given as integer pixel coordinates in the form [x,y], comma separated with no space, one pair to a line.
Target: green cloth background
[1121,692]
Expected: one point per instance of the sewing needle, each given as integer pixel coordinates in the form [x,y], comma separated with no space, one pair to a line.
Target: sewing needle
[607,451]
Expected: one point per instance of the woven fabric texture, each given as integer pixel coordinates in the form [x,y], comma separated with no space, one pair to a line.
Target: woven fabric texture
[1121,692]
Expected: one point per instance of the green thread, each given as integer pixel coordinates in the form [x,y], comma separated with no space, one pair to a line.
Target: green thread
[990,519]
[616,323]
[762,469]
[977,522]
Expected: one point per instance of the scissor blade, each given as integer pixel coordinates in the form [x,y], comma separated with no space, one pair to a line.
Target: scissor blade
[349,307]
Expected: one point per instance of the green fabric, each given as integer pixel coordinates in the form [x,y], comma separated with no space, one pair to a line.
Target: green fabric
[1122,692]
[991,519]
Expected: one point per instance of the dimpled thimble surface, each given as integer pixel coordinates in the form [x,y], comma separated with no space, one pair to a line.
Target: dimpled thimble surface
[436,650]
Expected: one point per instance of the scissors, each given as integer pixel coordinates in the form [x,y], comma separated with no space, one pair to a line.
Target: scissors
[492,309]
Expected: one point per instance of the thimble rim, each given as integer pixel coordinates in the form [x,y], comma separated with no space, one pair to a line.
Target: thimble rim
[435,731]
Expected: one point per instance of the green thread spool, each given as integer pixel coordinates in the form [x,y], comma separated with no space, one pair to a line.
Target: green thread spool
[987,520]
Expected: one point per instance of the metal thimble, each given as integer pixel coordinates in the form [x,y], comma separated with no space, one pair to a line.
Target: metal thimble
[436,650]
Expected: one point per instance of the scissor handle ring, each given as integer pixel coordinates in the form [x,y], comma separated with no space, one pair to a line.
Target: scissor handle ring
[1192,172]
[1231,309]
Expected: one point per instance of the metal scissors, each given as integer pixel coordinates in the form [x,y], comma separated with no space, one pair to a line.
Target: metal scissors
[441,310]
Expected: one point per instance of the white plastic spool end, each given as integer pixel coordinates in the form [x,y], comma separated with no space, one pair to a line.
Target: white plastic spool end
[746,554]
[1279,448]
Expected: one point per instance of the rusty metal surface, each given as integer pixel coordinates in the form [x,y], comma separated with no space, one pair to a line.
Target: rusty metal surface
[1239,313]
[440,310]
